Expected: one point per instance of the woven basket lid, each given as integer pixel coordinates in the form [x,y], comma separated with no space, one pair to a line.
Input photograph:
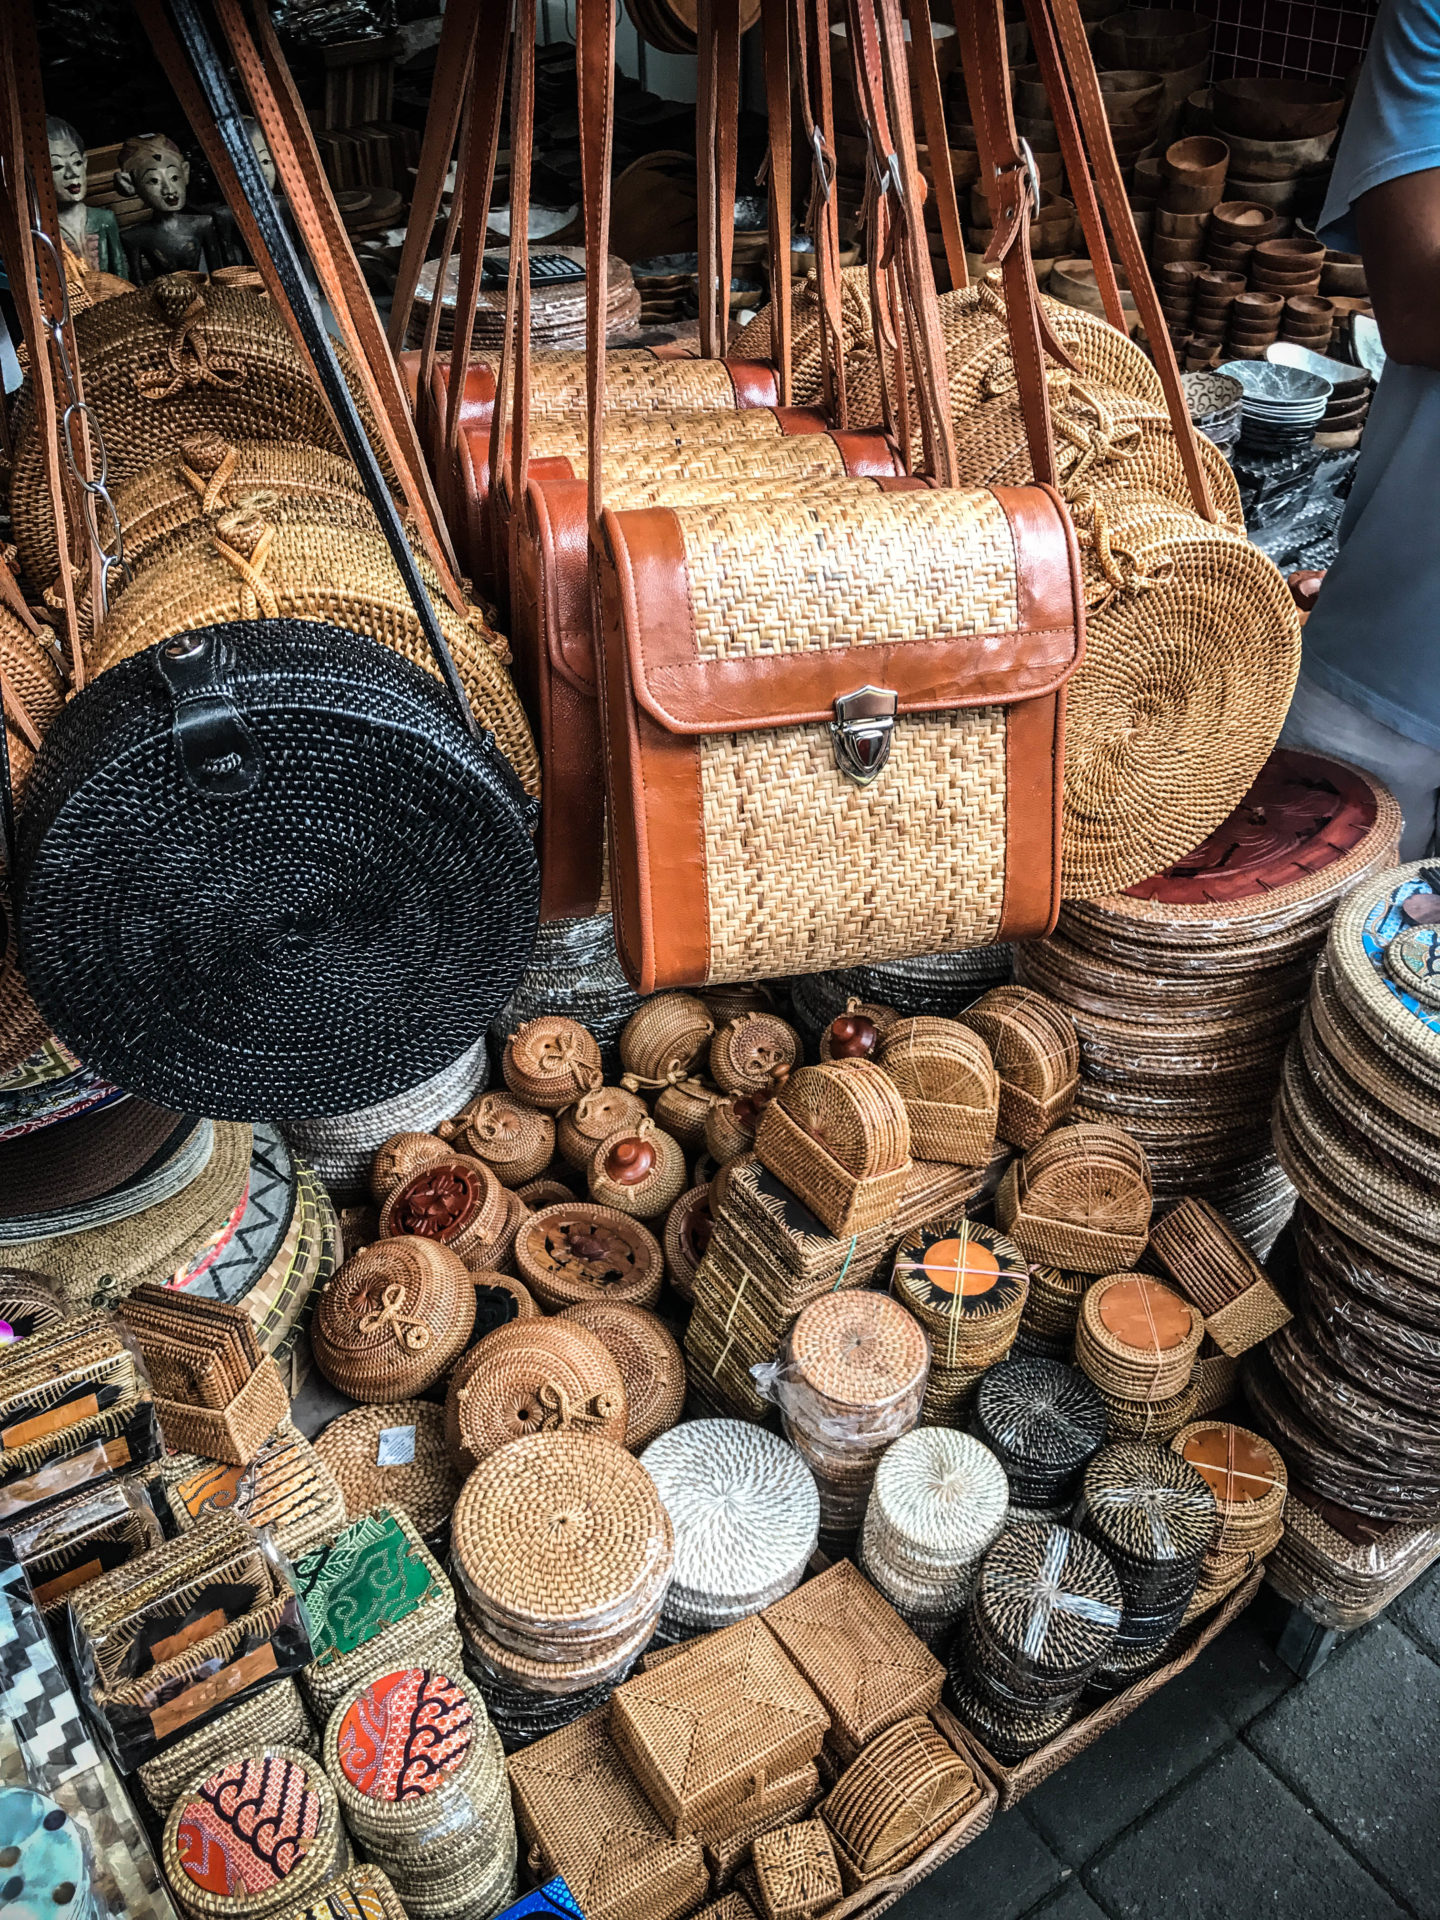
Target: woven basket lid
[794,1867]
[581,1250]
[533,1376]
[852,1110]
[1040,1413]
[1131,1314]
[1240,1468]
[551,1061]
[650,1362]
[1032,1041]
[250,1824]
[665,1038]
[457,1201]
[942,1493]
[398,1159]
[967,1272]
[744,1507]
[639,1170]
[747,1051]
[514,1139]
[858,1353]
[393,1319]
[561,1531]
[392,1455]
[1144,1503]
[403,1733]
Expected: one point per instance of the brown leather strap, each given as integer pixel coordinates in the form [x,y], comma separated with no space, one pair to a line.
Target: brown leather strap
[937,138]
[517,292]
[482,144]
[454,63]
[717,141]
[595,60]
[775,27]
[811,29]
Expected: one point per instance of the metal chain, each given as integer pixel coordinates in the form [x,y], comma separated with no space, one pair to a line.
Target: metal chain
[96,502]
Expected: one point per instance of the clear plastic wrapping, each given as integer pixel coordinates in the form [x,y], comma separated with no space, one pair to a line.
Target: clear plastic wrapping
[73,1541]
[1343,1568]
[75,1407]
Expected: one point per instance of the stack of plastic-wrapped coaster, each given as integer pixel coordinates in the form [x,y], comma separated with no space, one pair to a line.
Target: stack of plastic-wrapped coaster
[1044,1614]
[1153,1516]
[938,1501]
[745,1514]
[1044,1422]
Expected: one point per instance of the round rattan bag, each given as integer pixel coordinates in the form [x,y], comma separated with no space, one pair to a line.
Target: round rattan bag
[582,1251]
[393,1319]
[533,1376]
[234,908]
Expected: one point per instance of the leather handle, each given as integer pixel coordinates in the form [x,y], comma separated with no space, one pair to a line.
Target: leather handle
[482,145]
[454,64]
[717,113]
[815,86]
[595,61]
[779,87]
[517,293]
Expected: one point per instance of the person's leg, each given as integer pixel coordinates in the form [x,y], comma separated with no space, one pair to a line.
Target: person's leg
[1325,724]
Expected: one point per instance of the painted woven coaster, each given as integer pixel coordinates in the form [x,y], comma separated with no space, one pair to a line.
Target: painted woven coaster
[400,1738]
[255,1823]
[367,1578]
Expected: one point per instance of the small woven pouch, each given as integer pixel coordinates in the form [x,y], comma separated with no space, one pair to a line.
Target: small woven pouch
[730,1127]
[664,1039]
[682,1111]
[688,1227]
[839,1137]
[748,1051]
[515,1140]
[858,1032]
[532,1376]
[551,1062]
[593,1118]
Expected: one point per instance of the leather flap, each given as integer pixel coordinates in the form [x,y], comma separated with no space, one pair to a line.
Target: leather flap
[557,514]
[689,695]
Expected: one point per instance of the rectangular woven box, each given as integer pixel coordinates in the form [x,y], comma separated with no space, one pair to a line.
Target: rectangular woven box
[711,1727]
[844,1202]
[234,1433]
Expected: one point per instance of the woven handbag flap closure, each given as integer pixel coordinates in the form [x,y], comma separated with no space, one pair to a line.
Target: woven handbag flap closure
[758,615]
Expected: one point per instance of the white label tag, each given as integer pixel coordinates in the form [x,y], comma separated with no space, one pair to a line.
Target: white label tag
[396,1447]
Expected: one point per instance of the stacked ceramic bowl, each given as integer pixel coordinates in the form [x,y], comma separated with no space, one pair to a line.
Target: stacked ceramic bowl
[746,1517]
[1044,1422]
[1350,390]
[1214,401]
[939,1499]
[1283,406]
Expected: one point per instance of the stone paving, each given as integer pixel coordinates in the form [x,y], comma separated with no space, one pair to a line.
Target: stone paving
[1236,1792]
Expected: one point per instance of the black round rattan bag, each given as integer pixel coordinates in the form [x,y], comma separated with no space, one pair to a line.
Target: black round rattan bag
[265,871]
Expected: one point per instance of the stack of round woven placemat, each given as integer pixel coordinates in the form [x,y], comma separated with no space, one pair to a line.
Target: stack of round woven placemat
[1044,1422]
[258,1835]
[1137,1340]
[967,1285]
[1248,1479]
[1187,988]
[745,1513]
[939,1499]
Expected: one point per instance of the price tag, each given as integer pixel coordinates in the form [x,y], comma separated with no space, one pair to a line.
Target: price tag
[396,1447]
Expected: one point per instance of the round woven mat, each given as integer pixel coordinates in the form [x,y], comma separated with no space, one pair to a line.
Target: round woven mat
[1401,1023]
[1146,1507]
[940,1495]
[855,1357]
[1043,1421]
[358,1447]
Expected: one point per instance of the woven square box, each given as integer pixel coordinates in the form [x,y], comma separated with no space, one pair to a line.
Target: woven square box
[857,1653]
[838,1135]
[710,1727]
[585,1817]
[234,1433]
[789,1798]
[795,1871]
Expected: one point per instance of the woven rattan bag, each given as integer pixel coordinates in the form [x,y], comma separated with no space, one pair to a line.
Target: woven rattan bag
[35,695]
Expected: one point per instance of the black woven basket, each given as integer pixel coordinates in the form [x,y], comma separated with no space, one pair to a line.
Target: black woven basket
[265,871]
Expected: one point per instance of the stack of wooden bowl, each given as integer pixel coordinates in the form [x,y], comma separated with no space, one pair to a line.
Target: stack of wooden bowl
[1279,132]
[1193,181]
[1236,228]
[1158,40]
[1134,101]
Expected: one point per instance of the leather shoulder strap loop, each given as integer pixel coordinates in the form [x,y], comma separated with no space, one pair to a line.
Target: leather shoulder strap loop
[516,347]
[454,62]
[775,27]
[937,138]
[482,145]
[595,62]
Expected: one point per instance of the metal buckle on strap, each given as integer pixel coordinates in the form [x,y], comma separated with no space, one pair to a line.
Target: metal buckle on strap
[861,732]
[1025,164]
[824,162]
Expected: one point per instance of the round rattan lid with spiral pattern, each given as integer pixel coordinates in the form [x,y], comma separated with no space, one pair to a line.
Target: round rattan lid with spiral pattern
[515,1140]
[665,1039]
[393,1319]
[457,1202]
[949,1085]
[966,1285]
[561,1532]
[401,1157]
[650,1361]
[533,1376]
[855,1360]
[1047,1603]
[1044,1422]
[745,1512]
[593,1118]
[392,1455]
[582,1251]
[749,1050]
[551,1061]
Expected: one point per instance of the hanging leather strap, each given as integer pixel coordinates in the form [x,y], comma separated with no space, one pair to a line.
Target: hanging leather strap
[482,148]
[775,28]
[219,125]
[937,138]
[811,29]
[454,64]
[595,64]
[717,113]
[516,347]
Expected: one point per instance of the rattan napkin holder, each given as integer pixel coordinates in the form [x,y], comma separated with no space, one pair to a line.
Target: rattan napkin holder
[73,1541]
[1202,1255]
[838,1135]
[949,1085]
[234,1433]
[1037,1055]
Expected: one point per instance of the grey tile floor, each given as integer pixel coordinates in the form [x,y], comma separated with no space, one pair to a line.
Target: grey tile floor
[1236,1792]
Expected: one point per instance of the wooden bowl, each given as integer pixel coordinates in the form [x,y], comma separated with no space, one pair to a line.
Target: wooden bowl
[1243,222]
[1344,273]
[1198,115]
[1277,159]
[1029,92]
[1149,174]
[1180,226]
[1277,109]
[1256,306]
[1130,94]
[1199,160]
[1155,39]
[1188,196]
[1073,281]
[1265,280]
[1309,307]
[1294,252]
[1277,194]
[1225,259]
[1166,248]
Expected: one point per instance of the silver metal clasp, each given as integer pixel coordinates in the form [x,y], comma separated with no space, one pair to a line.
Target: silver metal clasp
[861,732]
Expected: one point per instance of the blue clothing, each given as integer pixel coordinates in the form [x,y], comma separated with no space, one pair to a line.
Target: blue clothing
[1374,637]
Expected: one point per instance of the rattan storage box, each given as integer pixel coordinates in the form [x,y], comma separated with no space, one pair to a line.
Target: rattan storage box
[838,1135]
[707,1729]
[857,1653]
[581,1814]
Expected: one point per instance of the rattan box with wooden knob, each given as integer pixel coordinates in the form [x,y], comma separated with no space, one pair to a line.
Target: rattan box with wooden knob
[950,1088]
[514,1139]
[1036,1051]
[1080,1199]
[683,1109]
[581,1251]
[533,1376]
[858,1032]
[458,1202]
[664,1040]
[401,1157]
[650,1362]
[903,1789]
[1137,1338]
[593,1118]
[257,1835]
[394,1319]
[551,1061]
[639,1170]
[838,1135]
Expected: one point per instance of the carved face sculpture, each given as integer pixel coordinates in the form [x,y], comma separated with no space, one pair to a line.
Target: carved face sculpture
[67,168]
[156,172]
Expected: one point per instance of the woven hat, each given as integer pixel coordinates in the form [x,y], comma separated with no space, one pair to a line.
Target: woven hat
[340,1147]
[1036,1051]
[745,1514]
[665,1039]
[400,1158]
[580,1251]
[393,1319]
[639,1170]
[457,1202]
[938,1500]
[838,1135]
[167,1154]
[533,1376]
[394,1456]
[650,1362]
[259,1834]
[747,1051]
[967,1286]
[688,1227]
[949,1085]
[1044,1422]
[595,1117]
[1081,1199]
[1137,1338]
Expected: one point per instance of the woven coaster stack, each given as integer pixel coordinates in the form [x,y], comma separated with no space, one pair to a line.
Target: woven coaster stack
[867,1666]
[286,1487]
[949,1085]
[1186,989]
[1154,1517]
[364,1893]
[1137,1340]
[1044,1422]
[838,1135]
[420,1776]
[944,984]
[393,1456]
[563,1552]
[395,1318]
[276,1717]
[1036,1051]
[1249,1482]
[939,1499]
[1080,1199]
[708,1730]
[766,1258]
[1044,1614]
[850,1382]
[1201,1254]
[256,1836]
[215,1392]
[966,1284]
[745,1514]
[1341,1567]
[581,1250]
[904,1789]
[534,1376]
[582,1814]
[1052,1311]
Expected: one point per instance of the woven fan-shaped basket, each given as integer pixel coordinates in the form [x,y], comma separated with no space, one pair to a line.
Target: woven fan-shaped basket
[456,1201]
[747,1050]
[665,1039]
[551,1062]
[170,360]
[244,566]
[593,1118]
[533,1376]
[639,1170]
[1080,1199]
[950,1088]
[838,1135]
[650,1362]
[515,1140]
[1036,1051]
[393,1319]
[581,1251]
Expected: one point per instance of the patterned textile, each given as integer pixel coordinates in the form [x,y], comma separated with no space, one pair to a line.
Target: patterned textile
[367,1578]
[404,1733]
[248,1827]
